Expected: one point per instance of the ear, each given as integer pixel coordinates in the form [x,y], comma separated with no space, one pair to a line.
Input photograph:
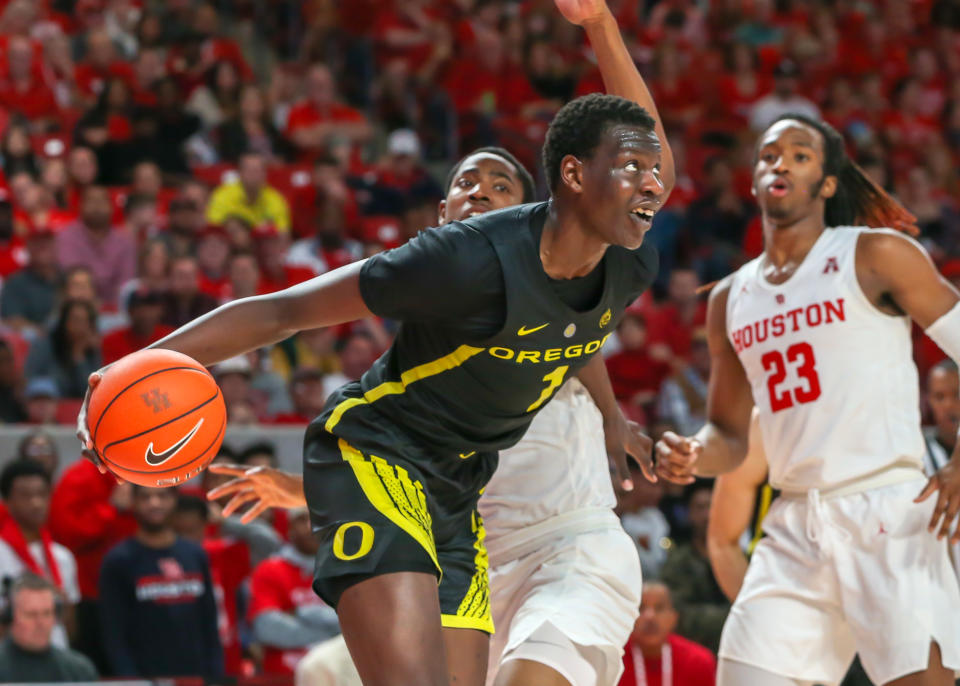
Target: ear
[571,173]
[442,212]
[829,187]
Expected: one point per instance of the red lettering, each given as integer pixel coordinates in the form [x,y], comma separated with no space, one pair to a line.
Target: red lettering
[778,328]
[737,340]
[761,337]
[793,314]
[747,336]
[835,309]
[814,309]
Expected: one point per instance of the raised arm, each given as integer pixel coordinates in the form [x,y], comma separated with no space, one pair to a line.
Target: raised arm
[721,444]
[620,75]
[734,499]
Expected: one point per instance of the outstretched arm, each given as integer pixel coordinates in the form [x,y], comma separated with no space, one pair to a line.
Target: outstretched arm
[265,487]
[734,498]
[620,75]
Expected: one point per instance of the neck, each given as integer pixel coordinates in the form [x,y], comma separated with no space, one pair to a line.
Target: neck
[163,538]
[567,251]
[789,243]
[651,650]
[30,534]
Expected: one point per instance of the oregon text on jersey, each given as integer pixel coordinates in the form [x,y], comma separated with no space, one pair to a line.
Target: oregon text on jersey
[548,355]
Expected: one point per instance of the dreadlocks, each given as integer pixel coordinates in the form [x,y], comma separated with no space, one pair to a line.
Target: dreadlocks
[858,200]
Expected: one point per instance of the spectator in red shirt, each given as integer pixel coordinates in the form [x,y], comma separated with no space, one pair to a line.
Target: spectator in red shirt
[148,69]
[12,254]
[654,651]
[90,513]
[100,65]
[23,90]
[638,369]
[306,392]
[327,201]
[275,273]
[82,171]
[286,614]
[145,309]
[320,116]
[213,259]
[683,313]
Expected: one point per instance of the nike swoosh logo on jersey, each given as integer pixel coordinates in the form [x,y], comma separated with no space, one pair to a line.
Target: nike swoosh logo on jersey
[523,330]
[156,459]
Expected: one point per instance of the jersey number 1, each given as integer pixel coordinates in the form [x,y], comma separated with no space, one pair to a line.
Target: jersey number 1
[553,379]
[773,361]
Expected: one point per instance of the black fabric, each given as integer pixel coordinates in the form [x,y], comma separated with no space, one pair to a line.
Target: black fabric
[49,666]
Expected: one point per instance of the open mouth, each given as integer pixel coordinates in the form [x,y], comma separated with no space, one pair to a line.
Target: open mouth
[643,215]
[779,188]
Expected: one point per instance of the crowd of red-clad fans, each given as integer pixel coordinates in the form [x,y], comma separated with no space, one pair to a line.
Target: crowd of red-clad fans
[159,159]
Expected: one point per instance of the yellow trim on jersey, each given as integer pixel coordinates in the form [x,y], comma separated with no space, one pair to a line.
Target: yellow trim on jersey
[394,494]
[474,610]
[418,373]
[766,497]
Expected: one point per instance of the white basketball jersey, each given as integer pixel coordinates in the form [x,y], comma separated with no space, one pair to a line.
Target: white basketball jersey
[832,376]
[558,467]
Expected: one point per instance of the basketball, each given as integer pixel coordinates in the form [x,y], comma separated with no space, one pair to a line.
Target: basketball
[156,418]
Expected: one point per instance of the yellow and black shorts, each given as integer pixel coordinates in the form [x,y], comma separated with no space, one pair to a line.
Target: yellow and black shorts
[379,514]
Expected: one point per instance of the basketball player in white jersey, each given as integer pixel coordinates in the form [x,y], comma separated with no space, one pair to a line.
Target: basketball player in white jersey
[565,578]
[816,333]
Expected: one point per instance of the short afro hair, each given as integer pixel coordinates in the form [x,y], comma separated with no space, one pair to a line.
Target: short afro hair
[578,126]
[526,180]
[18,468]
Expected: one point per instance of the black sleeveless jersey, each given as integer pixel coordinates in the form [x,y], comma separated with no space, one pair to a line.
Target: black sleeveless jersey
[443,385]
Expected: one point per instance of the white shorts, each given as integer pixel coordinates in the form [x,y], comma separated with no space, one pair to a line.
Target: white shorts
[587,586]
[857,573]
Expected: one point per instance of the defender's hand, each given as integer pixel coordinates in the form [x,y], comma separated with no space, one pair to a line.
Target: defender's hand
[266,487]
[676,457]
[624,438]
[947,482]
[582,12]
[83,431]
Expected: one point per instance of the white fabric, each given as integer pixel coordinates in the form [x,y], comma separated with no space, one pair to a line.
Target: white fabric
[945,332]
[731,673]
[835,576]
[559,466]
[327,664]
[587,585]
[11,566]
[935,458]
[666,665]
[551,647]
[855,411]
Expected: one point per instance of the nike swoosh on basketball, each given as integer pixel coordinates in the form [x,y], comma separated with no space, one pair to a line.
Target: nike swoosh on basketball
[523,330]
[156,459]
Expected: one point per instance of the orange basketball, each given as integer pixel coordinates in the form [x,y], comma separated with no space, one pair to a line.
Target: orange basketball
[156,418]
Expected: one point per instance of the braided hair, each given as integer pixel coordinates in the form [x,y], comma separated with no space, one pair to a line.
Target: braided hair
[858,200]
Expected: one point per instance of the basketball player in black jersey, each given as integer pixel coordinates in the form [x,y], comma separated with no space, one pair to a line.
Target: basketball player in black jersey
[497,311]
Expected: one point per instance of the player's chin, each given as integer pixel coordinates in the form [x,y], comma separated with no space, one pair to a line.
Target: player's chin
[633,232]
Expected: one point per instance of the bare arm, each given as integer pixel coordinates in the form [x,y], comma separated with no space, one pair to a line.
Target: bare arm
[721,444]
[734,499]
[620,75]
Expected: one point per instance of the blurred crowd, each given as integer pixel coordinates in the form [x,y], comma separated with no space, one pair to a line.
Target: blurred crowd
[158,159]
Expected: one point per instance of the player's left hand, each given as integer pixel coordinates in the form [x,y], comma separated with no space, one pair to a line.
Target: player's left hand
[582,12]
[265,487]
[947,482]
[623,438]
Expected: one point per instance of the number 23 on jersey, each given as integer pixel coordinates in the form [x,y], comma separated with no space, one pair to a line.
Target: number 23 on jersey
[801,359]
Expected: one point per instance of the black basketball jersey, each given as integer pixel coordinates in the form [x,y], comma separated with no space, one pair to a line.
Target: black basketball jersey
[440,386]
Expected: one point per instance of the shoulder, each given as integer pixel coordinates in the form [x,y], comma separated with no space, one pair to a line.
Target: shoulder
[78,663]
[63,554]
[119,554]
[272,567]
[189,548]
[877,246]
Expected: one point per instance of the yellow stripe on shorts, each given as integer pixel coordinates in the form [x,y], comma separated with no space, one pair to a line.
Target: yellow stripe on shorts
[474,610]
[395,495]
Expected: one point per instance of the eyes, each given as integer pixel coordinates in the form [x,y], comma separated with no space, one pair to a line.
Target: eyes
[465,183]
[771,157]
[634,167]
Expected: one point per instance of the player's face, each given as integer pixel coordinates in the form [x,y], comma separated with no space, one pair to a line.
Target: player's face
[788,179]
[620,185]
[484,182]
[943,394]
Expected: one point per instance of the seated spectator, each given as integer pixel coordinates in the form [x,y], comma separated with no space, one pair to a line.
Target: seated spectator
[145,309]
[185,221]
[250,130]
[23,91]
[311,349]
[638,369]
[157,608]
[250,198]
[244,276]
[16,150]
[41,397]
[260,454]
[78,285]
[320,117]
[28,653]
[11,245]
[153,267]
[644,522]
[184,301]
[235,377]
[12,409]
[213,261]
[276,273]
[327,204]
[357,352]
[684,311]
[229,569]
[70,352]
[683,396]
[287,616]
[40,447]
[29,296]
[657,656]
[162,132]
[703,606]
[218,97]
[100,65]
[107,128]
[306,392]
[399,176]
[109,252]
[192,58]
[784,99]
[82,172]
[26,544]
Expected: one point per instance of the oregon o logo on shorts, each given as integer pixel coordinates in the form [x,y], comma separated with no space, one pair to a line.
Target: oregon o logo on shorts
[366,540]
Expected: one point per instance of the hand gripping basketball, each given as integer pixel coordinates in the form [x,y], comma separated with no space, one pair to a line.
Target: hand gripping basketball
[83,431]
